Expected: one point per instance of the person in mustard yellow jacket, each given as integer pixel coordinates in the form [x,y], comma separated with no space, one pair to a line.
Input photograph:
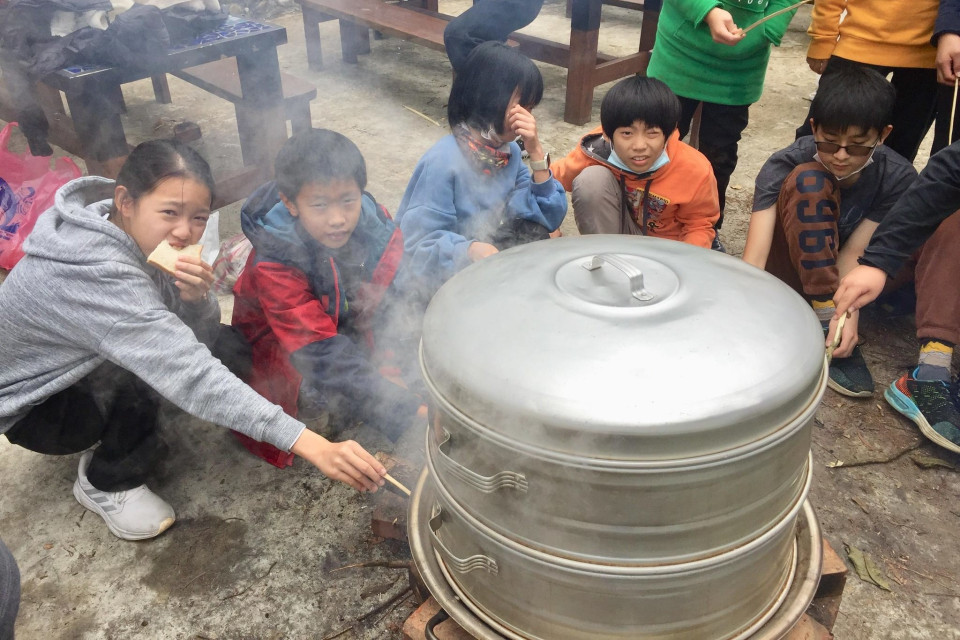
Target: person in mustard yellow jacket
[889,36]
[633,175]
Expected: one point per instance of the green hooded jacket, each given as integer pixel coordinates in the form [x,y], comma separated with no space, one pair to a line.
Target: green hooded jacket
[687,59]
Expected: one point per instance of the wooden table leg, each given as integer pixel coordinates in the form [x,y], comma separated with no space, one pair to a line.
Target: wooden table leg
[99,129]
[584,36]
[311,33]
[265,131]
[116,95]
[349,41]
[649,21]
[300,118]
[363,40]
[161,90]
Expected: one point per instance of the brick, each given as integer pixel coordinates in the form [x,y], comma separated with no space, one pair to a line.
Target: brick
[389,517]
[834,575]
[415,626]
[808,629]
[825,610]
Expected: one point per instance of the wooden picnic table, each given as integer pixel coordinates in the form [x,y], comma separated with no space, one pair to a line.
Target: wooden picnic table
[586,67]
[253,44]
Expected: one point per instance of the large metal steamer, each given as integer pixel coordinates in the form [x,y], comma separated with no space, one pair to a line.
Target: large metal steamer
[620,441]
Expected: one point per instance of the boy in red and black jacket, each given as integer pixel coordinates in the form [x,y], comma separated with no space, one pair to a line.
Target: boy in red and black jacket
[324,254]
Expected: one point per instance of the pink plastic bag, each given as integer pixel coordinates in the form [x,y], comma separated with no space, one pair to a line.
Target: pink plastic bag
[27,189]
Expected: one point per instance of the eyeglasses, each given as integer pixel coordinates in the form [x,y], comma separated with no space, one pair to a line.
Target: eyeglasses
[856,150]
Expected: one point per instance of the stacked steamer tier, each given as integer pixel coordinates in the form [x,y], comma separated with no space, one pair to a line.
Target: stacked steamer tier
[619,443]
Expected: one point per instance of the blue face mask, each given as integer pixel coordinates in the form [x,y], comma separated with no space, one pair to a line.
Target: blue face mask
[615,160]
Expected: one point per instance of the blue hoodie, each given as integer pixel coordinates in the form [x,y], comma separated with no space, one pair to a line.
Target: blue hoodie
[449,204]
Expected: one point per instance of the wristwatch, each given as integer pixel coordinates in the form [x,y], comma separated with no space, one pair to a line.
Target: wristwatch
[540,165]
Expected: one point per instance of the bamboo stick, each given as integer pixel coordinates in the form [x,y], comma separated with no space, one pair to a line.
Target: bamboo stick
[776,13]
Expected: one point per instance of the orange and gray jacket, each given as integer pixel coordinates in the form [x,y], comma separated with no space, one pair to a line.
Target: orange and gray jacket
[678,201]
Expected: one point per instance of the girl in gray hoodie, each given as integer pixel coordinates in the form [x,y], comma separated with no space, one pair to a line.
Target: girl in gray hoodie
[94,333]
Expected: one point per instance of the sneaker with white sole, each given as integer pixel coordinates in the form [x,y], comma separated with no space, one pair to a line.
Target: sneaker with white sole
[135,514]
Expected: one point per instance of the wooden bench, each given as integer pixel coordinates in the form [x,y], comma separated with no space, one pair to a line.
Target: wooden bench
[222,79]
[420,22]
[357,17]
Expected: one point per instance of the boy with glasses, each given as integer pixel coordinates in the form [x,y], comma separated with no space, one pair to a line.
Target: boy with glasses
[818,202]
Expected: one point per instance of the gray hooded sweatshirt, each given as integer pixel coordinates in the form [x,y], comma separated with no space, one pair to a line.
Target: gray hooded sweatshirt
[84,294]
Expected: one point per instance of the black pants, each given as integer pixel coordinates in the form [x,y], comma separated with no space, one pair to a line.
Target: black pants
[941,130]
[71,421]
[130,448]
[9,592]
[721,126]
[486,20]
[913,112]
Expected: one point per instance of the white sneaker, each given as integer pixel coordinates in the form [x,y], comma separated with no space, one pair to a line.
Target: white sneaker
[135,514]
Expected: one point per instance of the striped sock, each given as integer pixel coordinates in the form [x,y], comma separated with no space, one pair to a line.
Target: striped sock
[824,310]
[935,358]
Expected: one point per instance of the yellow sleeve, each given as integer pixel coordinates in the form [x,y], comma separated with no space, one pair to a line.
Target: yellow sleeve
[824,28]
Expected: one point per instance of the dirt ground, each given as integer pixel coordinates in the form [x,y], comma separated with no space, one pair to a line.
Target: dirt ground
[251,553]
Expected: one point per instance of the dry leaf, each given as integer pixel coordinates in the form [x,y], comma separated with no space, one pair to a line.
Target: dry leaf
[48,546]
[866,568]
[931,462]
[835,464]
[737,187]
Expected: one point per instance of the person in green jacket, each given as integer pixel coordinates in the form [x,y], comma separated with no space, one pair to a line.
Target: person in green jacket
[703,54]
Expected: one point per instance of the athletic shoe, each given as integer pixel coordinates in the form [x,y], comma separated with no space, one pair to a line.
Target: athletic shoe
[850,376]
[135,514]
[718,244]
[930,404]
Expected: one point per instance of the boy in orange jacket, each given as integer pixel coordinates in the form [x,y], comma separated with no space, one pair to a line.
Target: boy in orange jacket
[633,175]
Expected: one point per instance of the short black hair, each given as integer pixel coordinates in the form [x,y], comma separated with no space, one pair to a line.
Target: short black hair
[853,97]
[319,155]
[640,98]
[485,84]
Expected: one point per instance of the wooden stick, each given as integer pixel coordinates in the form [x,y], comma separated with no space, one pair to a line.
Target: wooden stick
[422,115]
[953,112]
[837,337]
[389,478]
[775,14]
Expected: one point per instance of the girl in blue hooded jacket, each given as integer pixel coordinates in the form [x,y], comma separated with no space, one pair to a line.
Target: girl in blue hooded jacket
[471,194]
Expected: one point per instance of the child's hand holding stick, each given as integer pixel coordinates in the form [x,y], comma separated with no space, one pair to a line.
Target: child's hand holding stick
[722,27]
[347,461]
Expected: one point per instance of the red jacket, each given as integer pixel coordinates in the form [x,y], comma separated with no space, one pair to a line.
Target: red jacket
[291,304]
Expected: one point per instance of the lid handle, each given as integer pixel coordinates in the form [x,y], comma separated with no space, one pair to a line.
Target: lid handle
[483,484]
[460,565]
[628,269]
